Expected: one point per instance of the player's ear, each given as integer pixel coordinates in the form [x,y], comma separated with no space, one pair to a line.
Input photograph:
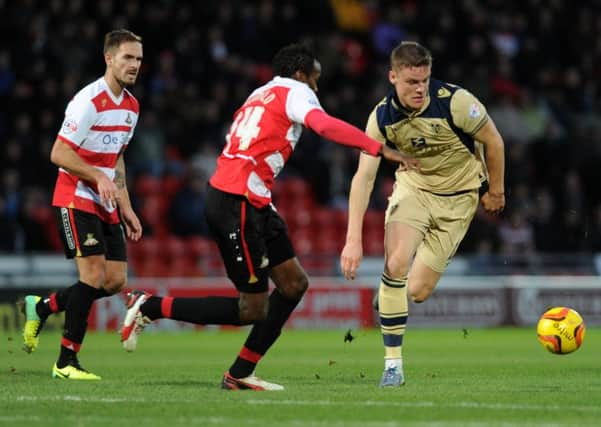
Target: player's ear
[300,76]
[392,76]
[108,58]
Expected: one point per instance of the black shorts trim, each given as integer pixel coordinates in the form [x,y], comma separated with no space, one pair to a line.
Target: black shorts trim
[84,234]
[456,193]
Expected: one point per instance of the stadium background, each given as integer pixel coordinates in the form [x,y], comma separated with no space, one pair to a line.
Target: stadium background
[535,64]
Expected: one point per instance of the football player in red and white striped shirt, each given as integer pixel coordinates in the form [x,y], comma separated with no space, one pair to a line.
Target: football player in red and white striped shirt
[252,237]
[93,207]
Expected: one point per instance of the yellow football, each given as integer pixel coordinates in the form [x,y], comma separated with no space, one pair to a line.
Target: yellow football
[561,330]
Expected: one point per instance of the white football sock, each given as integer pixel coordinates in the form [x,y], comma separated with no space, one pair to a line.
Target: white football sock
[391,363]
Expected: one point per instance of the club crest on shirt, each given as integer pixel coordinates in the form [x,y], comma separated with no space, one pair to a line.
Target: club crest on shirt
[90,240]
[264,262]
[128,120]
[474,111]
[418,142]
[69,126]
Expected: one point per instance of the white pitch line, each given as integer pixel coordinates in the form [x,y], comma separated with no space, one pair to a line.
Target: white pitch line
[428,404]
[92,399]
[367,403]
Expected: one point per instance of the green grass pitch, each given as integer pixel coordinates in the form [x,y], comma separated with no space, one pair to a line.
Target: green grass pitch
[481,377]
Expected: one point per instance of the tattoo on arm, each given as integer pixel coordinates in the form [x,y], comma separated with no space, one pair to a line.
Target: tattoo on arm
[120,173]
[119,179]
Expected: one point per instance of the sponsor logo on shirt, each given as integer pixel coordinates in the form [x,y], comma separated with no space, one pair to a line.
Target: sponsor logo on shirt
[474,111]
[418,142]
[110,139]
[69,126]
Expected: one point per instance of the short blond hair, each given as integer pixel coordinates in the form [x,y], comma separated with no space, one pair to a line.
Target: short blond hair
[410,54]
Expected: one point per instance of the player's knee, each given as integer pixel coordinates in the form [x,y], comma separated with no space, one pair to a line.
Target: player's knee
[115,283]
[296,287]
[396,268]
[419,295]
[249,316]
[93,271]
[252,311]
[94,277]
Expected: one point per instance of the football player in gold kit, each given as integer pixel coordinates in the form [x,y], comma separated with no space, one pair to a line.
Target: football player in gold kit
[459,151]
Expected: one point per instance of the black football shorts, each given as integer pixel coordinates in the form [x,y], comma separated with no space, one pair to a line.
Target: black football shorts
[84,234]
[251,240]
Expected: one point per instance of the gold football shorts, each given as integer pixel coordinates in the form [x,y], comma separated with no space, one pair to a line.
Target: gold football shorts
[443,219]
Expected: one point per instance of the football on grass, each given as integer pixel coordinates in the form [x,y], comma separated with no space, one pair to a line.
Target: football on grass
[561,330]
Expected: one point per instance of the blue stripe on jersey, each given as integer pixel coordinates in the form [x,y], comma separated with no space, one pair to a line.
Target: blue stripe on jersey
[439,108]
[392,340]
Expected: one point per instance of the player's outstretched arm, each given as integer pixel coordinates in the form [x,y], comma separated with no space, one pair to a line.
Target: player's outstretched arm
[343,133]
[493,200]
[62,155]
[361,188]
[405,161]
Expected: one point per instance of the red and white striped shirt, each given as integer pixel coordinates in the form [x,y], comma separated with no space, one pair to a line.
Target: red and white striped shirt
[263,134]
[97,126]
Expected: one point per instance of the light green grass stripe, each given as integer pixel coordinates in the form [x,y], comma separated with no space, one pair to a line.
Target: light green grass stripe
[367,403]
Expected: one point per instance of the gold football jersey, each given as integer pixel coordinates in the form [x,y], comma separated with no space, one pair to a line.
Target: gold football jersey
[440,135]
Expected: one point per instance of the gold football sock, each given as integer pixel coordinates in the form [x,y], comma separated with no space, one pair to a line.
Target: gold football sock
[393,308]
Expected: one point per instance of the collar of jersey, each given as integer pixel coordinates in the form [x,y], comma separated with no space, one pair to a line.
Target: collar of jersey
[116,100]
[289,79]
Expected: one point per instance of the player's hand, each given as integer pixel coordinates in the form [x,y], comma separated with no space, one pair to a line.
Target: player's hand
[133,227]
[107,190]
[493,203]
[350,258]
[405,161]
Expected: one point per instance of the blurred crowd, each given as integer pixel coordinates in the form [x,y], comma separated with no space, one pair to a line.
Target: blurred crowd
[535,64]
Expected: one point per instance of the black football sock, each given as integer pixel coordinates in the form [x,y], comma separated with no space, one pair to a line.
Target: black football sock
[263,335]
[201,311]
[54,303]
[43,308]
[77,310]
[57,301]
[101,293]
[67,356]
